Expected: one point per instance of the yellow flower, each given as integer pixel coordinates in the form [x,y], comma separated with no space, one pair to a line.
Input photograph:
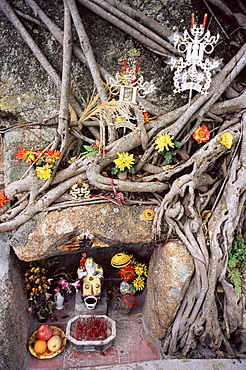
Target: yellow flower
[226,140]
[124,160]
[139,283]
[163,141]
[139,269]
[44,172]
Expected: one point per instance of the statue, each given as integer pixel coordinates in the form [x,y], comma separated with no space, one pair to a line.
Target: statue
[91,277]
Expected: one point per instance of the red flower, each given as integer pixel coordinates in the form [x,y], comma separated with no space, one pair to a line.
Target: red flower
[3,198]
[52,155]
[25,155]
[127,272]
[147,117]
[201,134]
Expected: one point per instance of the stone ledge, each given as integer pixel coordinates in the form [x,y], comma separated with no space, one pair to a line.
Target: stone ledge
[59,232]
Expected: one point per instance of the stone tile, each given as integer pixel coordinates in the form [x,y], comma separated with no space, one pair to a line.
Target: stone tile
[133,343]
[73,358]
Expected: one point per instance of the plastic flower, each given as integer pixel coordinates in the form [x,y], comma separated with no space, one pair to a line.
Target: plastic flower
[164,142]
[201,135]
[147,117]
[64,283]
[226,140]
[52,155]
[76,284]
[141,269]
[3,198]
[24,155]
[124,160]
[44,172]
[139,283]
[127,272]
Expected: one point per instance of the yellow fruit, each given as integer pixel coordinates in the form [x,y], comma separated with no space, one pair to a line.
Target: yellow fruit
[40,346]
[54,343]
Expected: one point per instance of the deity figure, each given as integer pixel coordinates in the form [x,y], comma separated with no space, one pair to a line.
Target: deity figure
[91,277]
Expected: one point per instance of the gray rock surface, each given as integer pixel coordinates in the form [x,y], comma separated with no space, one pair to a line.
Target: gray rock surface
[112,225]
[31,139]
[15,323]
[170,271]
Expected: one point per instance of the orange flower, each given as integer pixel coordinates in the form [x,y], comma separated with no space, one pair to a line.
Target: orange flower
[147,117]
[127,272]
[3,198]
[201,134]
[25,155]
[52,155]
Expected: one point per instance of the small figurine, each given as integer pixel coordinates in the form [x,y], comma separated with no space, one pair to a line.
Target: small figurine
[91,277]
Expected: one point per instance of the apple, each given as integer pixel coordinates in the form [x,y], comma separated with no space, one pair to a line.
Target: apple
[44,332]
[54,343]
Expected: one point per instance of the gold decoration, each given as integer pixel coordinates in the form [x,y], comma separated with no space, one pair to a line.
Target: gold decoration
[80,190]
[148,214]
[120,260]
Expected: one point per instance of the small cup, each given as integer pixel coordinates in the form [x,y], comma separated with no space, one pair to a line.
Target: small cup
[90,302]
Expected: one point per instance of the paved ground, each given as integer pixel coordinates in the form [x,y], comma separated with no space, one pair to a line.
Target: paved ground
[175,364]
[132,349]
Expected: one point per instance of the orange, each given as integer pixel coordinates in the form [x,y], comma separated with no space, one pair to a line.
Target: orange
[40,346]
[56,331]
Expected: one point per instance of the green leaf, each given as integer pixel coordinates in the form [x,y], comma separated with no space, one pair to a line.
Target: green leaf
[177,144]
[150,340]
[168,157]
[131,170]
[220,364]
[88,148]
[74,152]
[223,206]
[86,154]
[115,170]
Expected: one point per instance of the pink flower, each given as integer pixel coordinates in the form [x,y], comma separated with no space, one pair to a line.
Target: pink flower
[64,283]
[76,284]
[30,310]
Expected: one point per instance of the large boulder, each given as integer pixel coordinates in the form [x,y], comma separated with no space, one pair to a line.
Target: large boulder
[60,232]
[170,271]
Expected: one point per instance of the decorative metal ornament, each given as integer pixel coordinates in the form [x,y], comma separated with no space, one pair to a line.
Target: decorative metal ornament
[128,84]
[80,190]
[193,72]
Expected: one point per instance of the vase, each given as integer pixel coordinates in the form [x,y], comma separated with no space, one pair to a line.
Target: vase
[59,301]
[43,315]
[126,303]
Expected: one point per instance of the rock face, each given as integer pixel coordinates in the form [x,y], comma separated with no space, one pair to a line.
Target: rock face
[59,232]
[30,138]
[15,325]
[170,271]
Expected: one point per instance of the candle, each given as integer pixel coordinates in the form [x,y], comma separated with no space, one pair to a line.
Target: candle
[204,21]
[192,20]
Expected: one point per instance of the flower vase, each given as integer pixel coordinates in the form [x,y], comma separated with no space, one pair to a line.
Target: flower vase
[43,315]
[59,301]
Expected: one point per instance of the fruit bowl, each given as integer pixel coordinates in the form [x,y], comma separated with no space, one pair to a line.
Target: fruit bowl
[47,353]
